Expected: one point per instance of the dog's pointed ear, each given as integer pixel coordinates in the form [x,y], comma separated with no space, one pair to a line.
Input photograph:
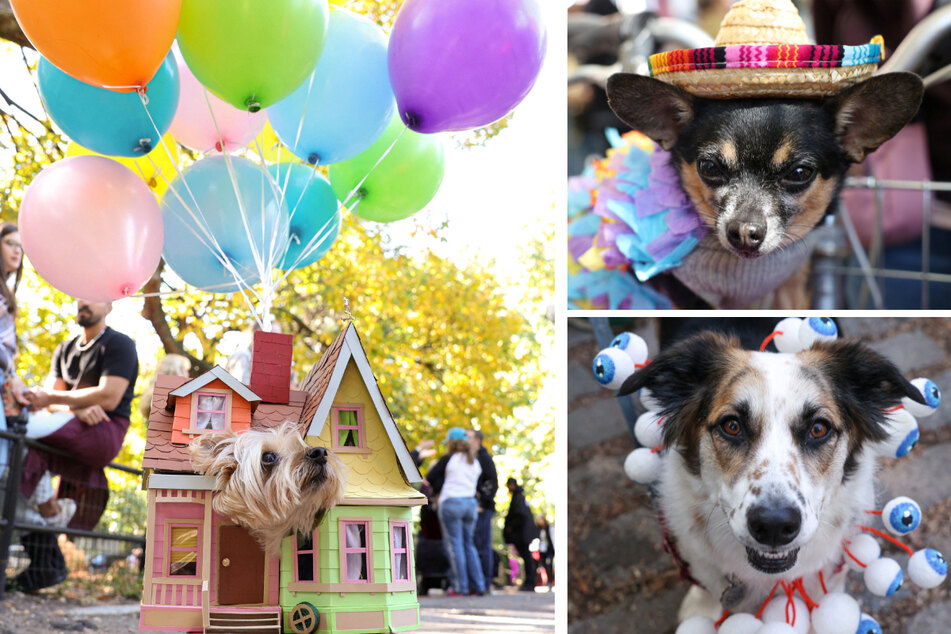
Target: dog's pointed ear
[873,111]
[651,106]
[213,452]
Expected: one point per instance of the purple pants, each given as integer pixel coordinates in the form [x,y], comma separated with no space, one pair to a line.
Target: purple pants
[91,448]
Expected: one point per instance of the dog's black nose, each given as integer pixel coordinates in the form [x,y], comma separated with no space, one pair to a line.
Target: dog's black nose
[746,235]
[774,525]
[317,454]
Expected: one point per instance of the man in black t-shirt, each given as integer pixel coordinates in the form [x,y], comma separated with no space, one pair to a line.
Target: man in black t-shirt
[88,415]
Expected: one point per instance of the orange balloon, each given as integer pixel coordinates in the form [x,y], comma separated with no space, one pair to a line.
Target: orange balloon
[114,44]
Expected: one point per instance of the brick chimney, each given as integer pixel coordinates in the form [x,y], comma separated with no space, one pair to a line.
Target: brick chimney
[271,366]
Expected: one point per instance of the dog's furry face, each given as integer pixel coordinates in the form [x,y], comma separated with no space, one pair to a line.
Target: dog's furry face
[269,481]
[772,466]
[763,172]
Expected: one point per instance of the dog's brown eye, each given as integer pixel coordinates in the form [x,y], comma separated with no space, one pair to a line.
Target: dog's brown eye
[731,427]
[799,175]
[819,430]
[711,172]
[268,458]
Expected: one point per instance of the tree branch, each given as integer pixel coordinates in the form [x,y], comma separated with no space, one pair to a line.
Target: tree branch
[9,29]
[155,313]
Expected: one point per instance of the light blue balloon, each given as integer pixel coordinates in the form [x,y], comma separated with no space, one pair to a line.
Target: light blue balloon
[344,106]
[313,210]
[109,122]
[206,189]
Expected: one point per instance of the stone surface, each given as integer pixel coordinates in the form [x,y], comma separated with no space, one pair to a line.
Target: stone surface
[597,422]
[933,619]
[911,350]
[924,475]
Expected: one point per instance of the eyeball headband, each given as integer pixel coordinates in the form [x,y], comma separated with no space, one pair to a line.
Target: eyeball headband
[835,612]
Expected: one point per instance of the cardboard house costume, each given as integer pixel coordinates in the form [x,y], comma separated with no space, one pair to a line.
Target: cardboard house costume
[353,573]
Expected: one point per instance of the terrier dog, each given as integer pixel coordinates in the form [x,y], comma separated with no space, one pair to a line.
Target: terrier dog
[770,461]
[269,481]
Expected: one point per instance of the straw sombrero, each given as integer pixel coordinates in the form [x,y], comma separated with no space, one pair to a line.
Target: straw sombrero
[762,50]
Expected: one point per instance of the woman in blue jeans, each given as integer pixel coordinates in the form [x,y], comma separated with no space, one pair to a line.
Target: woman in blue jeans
[454,480]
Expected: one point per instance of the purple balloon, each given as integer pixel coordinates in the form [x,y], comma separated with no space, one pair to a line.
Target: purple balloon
[461,64]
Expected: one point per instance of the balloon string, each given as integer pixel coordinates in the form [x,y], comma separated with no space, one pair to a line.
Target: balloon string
[766,341]
[766,602]
[822,582]
[889,538]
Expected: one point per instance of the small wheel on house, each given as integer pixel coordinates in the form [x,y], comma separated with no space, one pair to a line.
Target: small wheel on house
[304,618]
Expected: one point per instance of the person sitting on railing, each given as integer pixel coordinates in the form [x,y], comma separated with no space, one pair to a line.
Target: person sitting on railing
[89,406]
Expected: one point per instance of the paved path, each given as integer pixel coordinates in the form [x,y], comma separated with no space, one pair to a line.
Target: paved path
[618,574]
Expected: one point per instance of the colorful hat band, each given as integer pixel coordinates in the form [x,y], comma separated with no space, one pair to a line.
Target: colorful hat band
[766,56]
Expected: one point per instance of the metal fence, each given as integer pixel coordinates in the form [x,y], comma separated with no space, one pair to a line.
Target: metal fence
[28,543]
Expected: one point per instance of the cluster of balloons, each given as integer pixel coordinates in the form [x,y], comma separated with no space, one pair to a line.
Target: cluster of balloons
[134,80]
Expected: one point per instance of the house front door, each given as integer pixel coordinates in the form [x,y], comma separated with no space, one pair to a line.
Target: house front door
[240,567]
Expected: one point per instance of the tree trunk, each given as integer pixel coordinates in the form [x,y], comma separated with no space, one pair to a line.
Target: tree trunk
[153,311]
[9,29]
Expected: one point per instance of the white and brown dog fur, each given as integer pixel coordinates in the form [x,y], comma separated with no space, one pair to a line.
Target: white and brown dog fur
[770,461]
[269,480]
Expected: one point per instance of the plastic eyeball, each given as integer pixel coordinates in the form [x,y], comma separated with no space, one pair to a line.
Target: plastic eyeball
[932,395]
[815,329]
[697,625]
[740,623]
[927,568]
[838,613]
[611,368]
[642,466]
[633,345]
[788,341]
[648,401]
[868,625]
[901,515]
[775,612]
[864,548]
[883,577]
[648,431]
[902,434]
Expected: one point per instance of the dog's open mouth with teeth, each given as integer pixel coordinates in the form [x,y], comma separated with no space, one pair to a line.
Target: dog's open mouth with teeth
[771,562]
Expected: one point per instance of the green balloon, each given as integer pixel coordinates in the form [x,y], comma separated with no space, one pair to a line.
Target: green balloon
[402,184]
[252,53]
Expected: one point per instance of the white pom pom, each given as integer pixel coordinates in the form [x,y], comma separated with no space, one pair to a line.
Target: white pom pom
[838,613]
[697,625]
[932,396]
[633,345]
[868,625]
[883,577]
[776,612]
[815,329]
[778,627]
[648,401]
[648,431]
[612,367]
[865,548]
[901,515]
[642,466]
[741,623]
[788,341]
[902,434]
[927,568]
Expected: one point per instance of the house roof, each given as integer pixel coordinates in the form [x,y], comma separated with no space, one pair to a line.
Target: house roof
[348,347]
[318,379]
[222,375]
[161,454]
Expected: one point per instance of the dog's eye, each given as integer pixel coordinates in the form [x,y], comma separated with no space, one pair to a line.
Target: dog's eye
[819,430]
[799,175]
[711,172]
[268,458]
[731,427]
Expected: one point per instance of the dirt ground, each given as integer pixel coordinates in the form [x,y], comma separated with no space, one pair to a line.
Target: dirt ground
[620,580]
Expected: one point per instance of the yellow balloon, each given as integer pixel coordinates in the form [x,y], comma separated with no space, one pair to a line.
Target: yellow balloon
[157,168]
[266,145]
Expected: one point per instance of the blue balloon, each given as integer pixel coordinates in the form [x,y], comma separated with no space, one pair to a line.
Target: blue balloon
[313,211]
[206,191]
[109,122]
[344,106]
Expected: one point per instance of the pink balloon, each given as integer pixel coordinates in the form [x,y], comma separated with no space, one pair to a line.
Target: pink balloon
[195,127]
[92,228]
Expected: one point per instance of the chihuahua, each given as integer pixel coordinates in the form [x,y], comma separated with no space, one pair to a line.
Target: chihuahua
[763,172]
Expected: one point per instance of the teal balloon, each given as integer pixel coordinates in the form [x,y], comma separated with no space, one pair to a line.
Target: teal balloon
[344,106]
[109,122]
[313,210]
[206,191]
